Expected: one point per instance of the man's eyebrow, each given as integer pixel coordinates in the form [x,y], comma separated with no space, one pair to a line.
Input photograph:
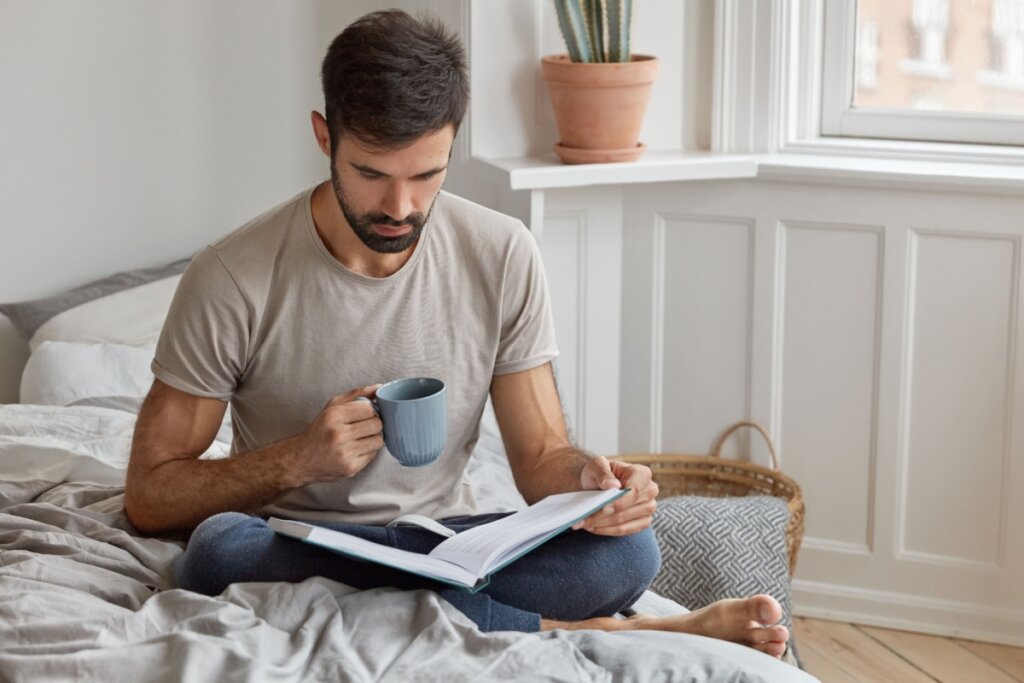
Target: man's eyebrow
[372,171]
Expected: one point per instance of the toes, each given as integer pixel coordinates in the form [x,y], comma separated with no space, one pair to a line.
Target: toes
[764,609]
[772,649]
[768,634]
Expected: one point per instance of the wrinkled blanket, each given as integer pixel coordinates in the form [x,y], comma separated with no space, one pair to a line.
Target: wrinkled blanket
[84,597]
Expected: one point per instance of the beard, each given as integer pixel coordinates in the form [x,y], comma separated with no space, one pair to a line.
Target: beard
[362,224]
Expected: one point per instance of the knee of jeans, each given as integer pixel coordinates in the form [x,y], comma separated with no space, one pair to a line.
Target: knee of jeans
[623,569]
[642,558]
[210,550]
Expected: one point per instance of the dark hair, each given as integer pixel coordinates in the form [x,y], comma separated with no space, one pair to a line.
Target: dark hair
[389,79]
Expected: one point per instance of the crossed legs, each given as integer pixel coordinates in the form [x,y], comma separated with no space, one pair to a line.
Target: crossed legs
[576,580]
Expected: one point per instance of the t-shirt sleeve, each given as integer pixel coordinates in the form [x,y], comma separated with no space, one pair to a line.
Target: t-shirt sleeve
[204,340]
[527,326]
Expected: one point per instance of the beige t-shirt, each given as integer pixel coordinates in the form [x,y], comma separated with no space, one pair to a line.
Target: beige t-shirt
[267,319]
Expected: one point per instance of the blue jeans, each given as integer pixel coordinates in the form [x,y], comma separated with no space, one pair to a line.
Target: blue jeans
[576,575]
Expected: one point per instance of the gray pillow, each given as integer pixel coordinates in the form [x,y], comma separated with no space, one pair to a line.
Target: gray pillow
[28,316]
[715,548]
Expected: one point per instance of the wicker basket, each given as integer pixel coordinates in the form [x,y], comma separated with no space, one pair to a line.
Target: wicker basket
[711,475]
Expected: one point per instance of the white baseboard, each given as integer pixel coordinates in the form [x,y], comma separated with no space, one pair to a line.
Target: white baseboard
[908,612]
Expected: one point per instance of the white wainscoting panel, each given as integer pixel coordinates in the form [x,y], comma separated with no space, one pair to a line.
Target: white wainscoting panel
[689,292]
[565,248]
[581,243]
[831,326]
[702,286]
[963,322]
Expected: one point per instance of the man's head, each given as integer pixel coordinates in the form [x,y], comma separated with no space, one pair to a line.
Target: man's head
[395,92]
[389,79]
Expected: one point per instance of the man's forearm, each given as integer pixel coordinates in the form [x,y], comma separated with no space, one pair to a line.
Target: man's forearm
[557,471]
[180,493]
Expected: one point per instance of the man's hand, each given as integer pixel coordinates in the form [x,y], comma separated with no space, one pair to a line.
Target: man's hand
[632,512]
[343,438]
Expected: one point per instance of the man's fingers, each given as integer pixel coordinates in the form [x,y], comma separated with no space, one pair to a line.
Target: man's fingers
[632,499]
[349,396]
[598,474]
[624,503]
[367,427]
[353,411]
[588,522]
[630,513]
[369,445]
[605,520]
[638,524]
[637,478]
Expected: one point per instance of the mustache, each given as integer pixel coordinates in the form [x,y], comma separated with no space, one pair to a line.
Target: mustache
[379,219]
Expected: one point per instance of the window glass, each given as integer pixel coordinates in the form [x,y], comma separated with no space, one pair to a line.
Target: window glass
[940,55]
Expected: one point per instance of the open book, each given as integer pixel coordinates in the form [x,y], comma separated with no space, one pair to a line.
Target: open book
[466,560]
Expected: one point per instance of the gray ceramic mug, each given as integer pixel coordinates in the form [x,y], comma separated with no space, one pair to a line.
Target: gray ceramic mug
[415,416]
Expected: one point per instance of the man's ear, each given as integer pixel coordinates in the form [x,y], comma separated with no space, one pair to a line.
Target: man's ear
[321,132]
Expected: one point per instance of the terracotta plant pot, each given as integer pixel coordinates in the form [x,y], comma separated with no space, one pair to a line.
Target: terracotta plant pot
[599,107]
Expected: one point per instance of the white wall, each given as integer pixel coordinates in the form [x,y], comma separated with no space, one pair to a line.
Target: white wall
[134,131]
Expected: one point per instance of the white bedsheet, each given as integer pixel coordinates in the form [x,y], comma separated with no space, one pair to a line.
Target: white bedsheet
[84,597]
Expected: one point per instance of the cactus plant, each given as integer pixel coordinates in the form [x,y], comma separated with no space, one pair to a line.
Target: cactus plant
[596,30]
[599,91]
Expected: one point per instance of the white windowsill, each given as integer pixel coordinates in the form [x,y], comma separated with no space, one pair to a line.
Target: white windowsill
[894,149]
[969,177]
[530,173]
[1000,79]
[538,173]
[939,71]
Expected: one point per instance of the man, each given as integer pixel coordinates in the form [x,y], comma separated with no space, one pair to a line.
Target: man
[374,276]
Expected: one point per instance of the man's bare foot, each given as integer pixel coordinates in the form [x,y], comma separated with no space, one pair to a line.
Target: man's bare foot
[743,621]
[747,621]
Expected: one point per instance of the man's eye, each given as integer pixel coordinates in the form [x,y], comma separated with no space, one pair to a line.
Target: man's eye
[371,176]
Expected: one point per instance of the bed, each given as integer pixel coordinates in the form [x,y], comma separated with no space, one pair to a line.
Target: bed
[84,596]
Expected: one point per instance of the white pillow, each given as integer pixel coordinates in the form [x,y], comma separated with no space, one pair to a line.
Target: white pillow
[114,376]
[133,316]
[62,373]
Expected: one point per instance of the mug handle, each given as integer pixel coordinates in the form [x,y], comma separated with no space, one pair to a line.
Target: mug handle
[372,402]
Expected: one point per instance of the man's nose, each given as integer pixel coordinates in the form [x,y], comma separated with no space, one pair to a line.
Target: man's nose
[397,202]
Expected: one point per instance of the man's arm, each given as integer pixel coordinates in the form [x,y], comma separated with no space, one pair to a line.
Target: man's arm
[168,487]
[544,462]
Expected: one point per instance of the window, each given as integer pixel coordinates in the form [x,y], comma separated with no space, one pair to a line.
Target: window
[1006,70]
[939,70]
[930,21]
[867,56]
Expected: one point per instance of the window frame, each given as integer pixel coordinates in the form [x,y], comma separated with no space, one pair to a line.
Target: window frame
[768,82]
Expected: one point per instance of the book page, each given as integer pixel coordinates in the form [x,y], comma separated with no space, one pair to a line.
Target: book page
[360,548]
[484,548]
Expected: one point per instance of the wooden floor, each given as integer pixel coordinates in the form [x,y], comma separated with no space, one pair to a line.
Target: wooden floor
[836,652]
